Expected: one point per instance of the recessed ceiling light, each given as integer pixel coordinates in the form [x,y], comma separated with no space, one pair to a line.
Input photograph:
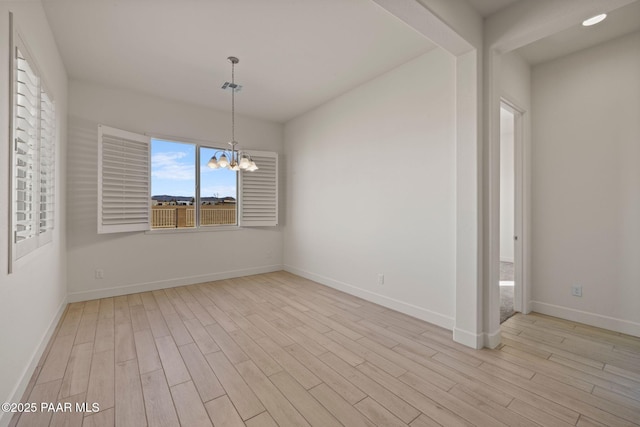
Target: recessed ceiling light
[594,20]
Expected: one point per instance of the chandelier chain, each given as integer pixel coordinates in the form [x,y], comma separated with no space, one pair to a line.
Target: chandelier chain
[233,102]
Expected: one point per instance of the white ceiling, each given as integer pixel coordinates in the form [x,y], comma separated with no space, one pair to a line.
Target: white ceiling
[489,7]
[621,21]
[294,54]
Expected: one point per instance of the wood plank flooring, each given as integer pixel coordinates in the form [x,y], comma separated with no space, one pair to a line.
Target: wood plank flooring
[279,350]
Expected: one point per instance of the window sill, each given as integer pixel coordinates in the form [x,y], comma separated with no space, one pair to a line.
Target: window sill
[194,230]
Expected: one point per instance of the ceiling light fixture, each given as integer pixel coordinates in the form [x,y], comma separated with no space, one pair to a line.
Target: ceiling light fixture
[594,20]
[234,159]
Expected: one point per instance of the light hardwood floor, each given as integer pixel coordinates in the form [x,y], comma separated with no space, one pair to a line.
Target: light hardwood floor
[277,349]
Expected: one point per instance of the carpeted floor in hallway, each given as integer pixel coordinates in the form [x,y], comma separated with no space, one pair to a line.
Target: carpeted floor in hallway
[506,290]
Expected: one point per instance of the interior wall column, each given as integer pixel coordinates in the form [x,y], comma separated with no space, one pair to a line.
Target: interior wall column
[491,201]
[469,291]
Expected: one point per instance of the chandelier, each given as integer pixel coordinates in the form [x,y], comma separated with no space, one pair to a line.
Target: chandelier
[233,159]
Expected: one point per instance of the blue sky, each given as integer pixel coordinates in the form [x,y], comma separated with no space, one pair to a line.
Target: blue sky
[173,171]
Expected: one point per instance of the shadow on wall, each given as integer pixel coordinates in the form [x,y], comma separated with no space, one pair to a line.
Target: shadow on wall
[82,185]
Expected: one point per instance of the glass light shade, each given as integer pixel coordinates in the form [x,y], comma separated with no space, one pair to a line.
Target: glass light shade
[244,163]
[235,168]
[223,162]
[252,166]
[213,163]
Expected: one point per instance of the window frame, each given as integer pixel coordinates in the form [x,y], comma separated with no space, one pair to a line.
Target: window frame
[20,251]
[197,228]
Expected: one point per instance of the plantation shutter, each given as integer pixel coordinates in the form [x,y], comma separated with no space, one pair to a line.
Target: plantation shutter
[259,191]
[47,163]
[123,181]
[25,155]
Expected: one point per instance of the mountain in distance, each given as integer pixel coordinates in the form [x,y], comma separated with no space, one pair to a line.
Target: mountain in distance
[168,198]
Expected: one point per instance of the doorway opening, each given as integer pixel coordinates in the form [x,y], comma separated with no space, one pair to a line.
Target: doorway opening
[510,196]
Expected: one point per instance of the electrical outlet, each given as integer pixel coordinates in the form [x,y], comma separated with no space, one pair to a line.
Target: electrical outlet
[380,279]
[576,291]
[99,273]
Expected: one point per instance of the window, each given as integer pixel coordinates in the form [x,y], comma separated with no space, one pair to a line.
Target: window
[160,184]
[177,170]
[173,184]
[218,193]
[32,157]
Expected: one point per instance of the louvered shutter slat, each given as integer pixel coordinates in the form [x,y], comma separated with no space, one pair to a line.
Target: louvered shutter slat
[47,163]
[25,152]
[124,170]
[259,192]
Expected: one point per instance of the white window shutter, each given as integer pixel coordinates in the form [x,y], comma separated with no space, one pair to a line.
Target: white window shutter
[25,156]
[47,164]
[123,181]
[259,191]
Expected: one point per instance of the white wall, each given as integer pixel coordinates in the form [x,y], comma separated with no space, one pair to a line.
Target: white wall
[457,28]
[137,261]
[34,295]
[507,175]
[371,189]
[515,81]
[586,199]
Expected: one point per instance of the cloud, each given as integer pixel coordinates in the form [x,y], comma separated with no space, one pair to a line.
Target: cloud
[168,165]
[220,190]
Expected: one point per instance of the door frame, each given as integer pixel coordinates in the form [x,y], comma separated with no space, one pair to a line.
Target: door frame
[519,303]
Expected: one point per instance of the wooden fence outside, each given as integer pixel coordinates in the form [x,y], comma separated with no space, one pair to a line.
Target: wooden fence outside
[184,216]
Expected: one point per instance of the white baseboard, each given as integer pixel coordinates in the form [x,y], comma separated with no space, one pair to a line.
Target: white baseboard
[401,306]
[169,283]
[492,340]
[468,338]
[18,391]
[593,319]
